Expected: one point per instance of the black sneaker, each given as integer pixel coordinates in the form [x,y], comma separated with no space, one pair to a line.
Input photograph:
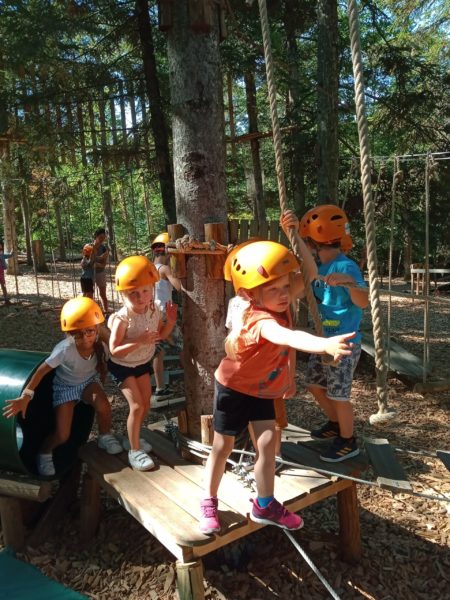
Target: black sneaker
[329,430]
[163,393]
[341,449]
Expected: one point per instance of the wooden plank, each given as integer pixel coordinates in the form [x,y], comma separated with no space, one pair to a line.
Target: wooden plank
[230,491]
[308,455]
[18,486]
[243,231]
[445,458]
[390,474]
[233,231]
[274,228]
[172,526]
[401,361]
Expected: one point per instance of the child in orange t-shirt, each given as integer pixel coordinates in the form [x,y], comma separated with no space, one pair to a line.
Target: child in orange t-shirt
[258,368]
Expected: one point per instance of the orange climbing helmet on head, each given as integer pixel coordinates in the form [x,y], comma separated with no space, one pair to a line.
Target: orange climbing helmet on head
[325,224]
[80,313]
[134,272]
[259,263]
[87,250]
[232,253]
[161,239]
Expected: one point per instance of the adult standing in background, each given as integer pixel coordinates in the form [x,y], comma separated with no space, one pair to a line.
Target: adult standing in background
[101,258]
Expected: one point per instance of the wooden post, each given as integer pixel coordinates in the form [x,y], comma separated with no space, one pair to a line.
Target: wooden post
[177,261]
[190,580]
[38,251]
[215,264]
[12,523]
[90,508]
[349,528]
[207,432]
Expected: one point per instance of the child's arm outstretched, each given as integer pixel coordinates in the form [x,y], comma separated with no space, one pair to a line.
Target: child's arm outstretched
[358,295]
[336,346]
[166,328]
[116,339]
[19,405]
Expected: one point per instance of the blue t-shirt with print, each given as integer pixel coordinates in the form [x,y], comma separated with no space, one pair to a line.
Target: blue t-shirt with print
[339,314]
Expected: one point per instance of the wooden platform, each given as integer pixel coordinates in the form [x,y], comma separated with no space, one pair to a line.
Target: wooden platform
[166,502]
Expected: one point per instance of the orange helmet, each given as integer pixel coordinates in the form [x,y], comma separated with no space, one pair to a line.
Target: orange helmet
[134,272]
[346,243]
[324,224]
[79,313]
[232,254]
[261,262]
[162,238]
[87,250]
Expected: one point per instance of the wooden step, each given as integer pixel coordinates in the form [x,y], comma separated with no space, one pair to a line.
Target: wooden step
[389,472]
[445,458]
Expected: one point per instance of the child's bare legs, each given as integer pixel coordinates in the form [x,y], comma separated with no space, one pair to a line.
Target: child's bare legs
[93,394]
[63,426]
[102,294]
[5,293]
[158,369]
[265,436]
[217,460]
[337,411]
[137,392]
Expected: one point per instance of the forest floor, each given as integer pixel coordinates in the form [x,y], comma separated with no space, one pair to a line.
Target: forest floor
[405,539]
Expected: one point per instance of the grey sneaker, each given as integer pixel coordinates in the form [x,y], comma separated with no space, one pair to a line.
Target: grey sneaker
[45,465]
[109,443]
[143,445]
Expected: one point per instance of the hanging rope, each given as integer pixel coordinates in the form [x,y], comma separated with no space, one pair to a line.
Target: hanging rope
[369,216]
[426,308]
[397,177]
[293,235]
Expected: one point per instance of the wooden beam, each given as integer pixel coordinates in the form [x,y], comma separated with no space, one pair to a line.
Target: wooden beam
[12,522]
[390,474]
[190,580]
[28,489]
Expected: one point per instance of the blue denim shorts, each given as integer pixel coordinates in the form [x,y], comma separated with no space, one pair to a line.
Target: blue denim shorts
[337,380]
[64,392]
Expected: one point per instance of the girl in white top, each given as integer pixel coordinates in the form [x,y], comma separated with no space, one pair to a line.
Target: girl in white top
[79,362]
[135,329]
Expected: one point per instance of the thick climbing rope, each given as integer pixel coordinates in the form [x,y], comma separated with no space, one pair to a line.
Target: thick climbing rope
[369,215]
[293,235]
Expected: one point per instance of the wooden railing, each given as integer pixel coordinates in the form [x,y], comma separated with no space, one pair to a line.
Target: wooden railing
[243,229]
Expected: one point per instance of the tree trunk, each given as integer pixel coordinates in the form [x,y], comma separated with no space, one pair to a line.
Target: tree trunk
[157,118]
[59,229]
[106,184]
[327,102]
[259,211]
[297,138]
[231,118]
[9,226]
[199,168]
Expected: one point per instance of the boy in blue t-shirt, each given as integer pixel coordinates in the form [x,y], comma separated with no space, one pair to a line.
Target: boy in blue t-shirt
[325,230]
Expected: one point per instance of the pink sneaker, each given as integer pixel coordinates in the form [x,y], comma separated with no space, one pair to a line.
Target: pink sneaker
[275,514]
[209,516]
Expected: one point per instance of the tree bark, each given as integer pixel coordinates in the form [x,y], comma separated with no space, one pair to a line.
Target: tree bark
[327,102]
[157,118]
[199,169]
[259,210]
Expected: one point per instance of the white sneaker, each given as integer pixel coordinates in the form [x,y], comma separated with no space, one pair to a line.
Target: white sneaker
[140,461]
[109,443]
[45,465]
[143,445]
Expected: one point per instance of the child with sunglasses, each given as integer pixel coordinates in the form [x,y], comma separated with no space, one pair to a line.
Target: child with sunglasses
[79,362]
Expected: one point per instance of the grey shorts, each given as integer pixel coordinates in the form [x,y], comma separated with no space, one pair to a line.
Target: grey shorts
[337,380]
